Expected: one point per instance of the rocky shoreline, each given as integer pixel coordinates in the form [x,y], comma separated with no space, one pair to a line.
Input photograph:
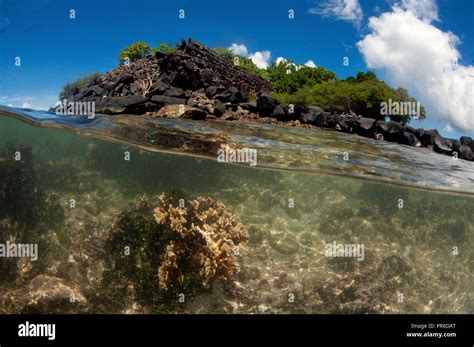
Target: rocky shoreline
[196,83]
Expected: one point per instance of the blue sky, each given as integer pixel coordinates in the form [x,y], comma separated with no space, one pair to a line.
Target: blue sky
[55,49]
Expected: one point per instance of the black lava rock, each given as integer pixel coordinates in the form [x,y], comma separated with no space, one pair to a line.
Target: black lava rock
[266,104]
[219,108]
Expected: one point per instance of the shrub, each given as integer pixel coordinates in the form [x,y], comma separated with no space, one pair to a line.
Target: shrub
[69,88]
[164,48]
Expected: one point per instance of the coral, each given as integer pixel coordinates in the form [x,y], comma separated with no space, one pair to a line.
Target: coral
[172,251]
[206,240]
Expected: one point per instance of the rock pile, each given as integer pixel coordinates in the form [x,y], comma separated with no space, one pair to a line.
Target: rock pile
[192,75]
[209,86]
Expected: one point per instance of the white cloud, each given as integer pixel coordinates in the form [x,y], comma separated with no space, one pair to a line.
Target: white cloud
[261,59]
[418,56]
[448,128]
[426,10]
[280,60]
[348,10]
[310,63]
[27,105]
[238,49]
[40,102]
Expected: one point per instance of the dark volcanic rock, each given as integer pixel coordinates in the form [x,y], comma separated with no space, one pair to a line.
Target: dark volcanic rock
[98,90]
[442,145]
[280,112]
[157,88]
[410,139]
[392,131]
[122,104]
[167,100]
[174,92]
[219,108]
[465,152]
[195,114]
[366,123]
[211,91]
[177,75]
[249,106]
[465,140]
[266,104]
[360,125]
[427,137]
[224,96]
[124,78]
[310,114]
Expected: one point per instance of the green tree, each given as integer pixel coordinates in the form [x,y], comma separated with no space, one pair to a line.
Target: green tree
[135,51]
[287,77]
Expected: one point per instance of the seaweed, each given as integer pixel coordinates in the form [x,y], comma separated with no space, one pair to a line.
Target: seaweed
[160,255]
[27,212]
[22,199]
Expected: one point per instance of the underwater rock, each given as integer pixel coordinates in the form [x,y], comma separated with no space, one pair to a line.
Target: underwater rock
[180,111]
[205,241]
[285,243]
[47,295]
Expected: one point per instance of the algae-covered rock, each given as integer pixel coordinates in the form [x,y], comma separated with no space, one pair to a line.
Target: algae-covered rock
[47,295]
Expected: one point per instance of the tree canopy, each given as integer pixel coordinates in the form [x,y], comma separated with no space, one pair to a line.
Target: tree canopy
[135,51]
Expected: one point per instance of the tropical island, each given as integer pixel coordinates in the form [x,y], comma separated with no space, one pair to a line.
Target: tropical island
[193,81]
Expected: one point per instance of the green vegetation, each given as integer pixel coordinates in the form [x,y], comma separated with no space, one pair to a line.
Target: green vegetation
[140,50]
[243,62]
[286,77]
[69,88]
[164,48]
[135,249]
[135,51]
[27,211]
[224,53]
[362,95]
[305,85]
